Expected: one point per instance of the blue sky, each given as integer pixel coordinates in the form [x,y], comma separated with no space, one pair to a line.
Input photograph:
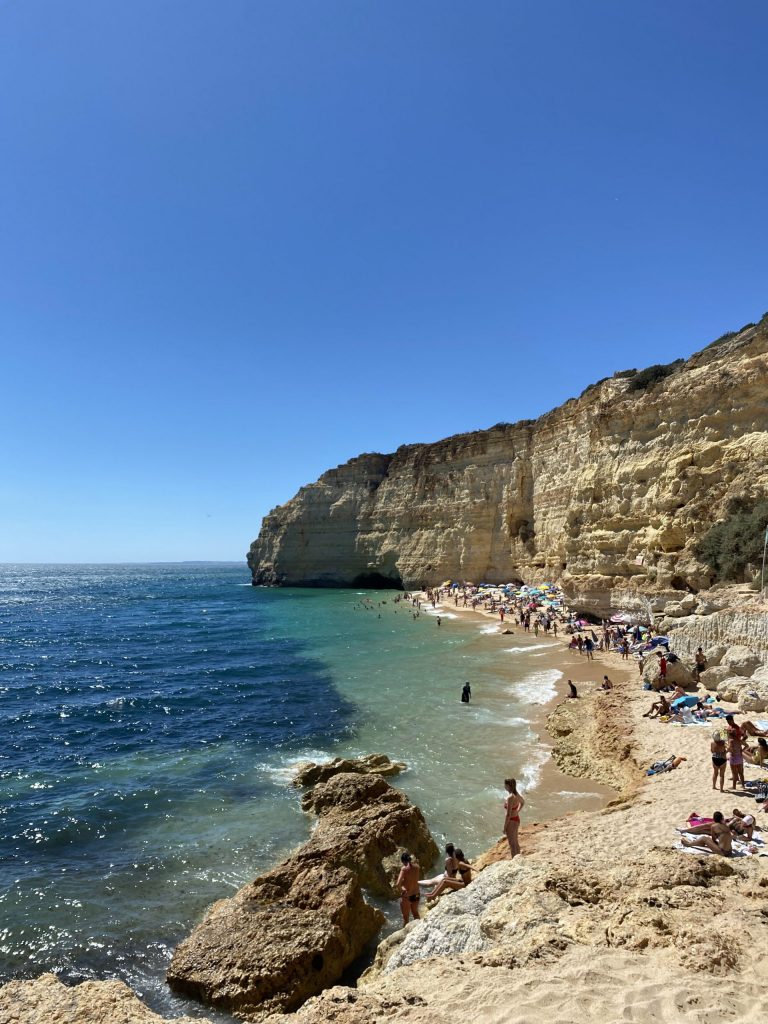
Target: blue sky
[243,241]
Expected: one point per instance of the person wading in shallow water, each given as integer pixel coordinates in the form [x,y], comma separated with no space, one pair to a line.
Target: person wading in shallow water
[408,886]
[512,805]
[466,693]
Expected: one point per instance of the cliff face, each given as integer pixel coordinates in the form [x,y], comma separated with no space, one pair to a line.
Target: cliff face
[609,493]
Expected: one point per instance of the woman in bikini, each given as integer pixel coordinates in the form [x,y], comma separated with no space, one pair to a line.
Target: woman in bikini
[459,880]
[512,806]
[719,753]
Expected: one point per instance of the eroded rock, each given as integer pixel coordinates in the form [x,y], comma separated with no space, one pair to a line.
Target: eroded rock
[293,931]
[309,773]
[47,1001]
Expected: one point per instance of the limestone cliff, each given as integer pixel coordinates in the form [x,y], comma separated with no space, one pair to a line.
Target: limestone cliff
[608,493]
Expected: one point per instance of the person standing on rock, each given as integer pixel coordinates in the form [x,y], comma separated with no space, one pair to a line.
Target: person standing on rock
[408,886]
[512,807]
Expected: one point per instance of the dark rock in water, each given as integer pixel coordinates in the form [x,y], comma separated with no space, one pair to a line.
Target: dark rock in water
[256,953]
[309,773]
[293,931]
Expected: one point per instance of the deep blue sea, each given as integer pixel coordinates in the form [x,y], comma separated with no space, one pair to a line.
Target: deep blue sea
[151,717]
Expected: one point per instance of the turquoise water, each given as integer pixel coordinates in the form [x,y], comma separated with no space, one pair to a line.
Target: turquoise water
[152,716]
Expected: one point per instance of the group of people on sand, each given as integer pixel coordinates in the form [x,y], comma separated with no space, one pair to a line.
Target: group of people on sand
[717,834]
[457,870]
[731,746]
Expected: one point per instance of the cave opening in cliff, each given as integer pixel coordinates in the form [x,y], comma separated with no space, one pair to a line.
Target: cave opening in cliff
[378,581]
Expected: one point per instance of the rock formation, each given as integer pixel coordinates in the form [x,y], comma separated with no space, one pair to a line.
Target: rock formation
[309,774]
[293,931]
[609,493]
[47,1001]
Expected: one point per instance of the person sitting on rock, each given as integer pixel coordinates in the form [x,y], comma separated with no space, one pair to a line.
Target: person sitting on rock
[715,836]
[451,867]
[606,683]
[459,881]
[408,886]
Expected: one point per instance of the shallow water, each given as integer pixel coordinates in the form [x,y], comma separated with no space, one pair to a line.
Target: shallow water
[152,715]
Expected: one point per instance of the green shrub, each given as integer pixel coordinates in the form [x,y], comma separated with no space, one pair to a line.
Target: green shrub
[737,542]
[652,375]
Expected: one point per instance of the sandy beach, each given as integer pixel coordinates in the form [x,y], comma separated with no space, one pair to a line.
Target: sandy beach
[602,915]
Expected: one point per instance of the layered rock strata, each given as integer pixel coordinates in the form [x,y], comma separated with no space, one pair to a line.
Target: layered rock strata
[293,931]
[609,493]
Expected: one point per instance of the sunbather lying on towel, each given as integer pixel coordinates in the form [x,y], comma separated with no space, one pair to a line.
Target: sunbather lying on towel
[715,837]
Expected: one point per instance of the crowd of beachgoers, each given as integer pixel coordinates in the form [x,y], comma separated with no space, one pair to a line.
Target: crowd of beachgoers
[542,610]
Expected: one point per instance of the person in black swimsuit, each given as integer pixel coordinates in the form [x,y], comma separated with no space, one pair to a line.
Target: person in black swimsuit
[719,759]
[460,875]
[408,886]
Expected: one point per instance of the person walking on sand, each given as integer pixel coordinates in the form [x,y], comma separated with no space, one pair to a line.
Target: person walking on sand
[408,886]
[719,753]
[512,807]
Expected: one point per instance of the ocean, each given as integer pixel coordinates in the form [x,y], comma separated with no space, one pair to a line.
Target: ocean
[152,716]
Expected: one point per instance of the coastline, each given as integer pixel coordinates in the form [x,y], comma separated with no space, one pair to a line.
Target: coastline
[634,928]
[560,772]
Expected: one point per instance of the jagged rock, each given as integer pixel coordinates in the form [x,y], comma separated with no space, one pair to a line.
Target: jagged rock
[309,774]
[364,824]
[47,1001]
[293,931]
[255,953]
[741,660]
[678,674]
[611,493]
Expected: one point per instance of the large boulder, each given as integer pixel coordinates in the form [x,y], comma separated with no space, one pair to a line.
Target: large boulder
[309,774]
[294,931]
[712,678]
[364,824]
[678,674]
[741,660]
[754,697]
[261,951]
[47,1001]
[730,689]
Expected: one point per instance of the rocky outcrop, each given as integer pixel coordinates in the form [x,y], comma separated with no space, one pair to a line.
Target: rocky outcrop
[47,1001]
[293,931]
[309,774]
[608,493]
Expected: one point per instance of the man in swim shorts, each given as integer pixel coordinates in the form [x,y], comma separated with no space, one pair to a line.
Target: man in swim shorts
[408,886]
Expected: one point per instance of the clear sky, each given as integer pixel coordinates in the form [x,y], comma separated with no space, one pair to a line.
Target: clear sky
[243,241]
